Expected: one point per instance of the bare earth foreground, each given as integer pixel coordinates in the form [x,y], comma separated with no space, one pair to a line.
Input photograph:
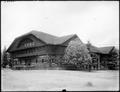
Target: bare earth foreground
[44,80]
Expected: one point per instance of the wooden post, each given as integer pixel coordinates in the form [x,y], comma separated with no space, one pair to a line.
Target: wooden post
[98,62]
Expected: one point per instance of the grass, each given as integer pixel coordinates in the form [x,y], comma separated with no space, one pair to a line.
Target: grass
[57,80]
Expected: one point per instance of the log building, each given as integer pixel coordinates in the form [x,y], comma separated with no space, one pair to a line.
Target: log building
[101,56]
[34,46]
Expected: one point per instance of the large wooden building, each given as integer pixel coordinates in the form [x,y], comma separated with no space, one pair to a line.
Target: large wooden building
[34,46]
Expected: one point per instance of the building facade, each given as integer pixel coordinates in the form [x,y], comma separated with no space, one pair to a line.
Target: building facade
[35,46]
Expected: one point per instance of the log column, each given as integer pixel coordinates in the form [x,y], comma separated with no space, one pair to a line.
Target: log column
[98,62]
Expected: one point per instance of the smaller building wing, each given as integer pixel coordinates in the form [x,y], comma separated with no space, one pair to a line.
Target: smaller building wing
[92,48]
[101,50]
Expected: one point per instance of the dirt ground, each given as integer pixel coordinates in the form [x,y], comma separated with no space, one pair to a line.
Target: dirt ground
[56,80]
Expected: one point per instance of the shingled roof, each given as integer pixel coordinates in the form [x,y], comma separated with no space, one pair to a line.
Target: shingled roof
[106,50]
[92,48]
[46,38]
[101,50]
[63,39]
[49,39]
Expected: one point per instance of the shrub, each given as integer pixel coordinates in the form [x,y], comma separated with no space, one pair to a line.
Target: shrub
[77,54]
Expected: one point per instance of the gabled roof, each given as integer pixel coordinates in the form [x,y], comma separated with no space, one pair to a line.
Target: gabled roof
[106,50]
[49,39]
[101,50]
[46,38]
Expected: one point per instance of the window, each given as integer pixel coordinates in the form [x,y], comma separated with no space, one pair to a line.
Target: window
[26,43]
[32,44]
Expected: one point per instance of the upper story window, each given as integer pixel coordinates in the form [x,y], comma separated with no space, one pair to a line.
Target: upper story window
[26,43]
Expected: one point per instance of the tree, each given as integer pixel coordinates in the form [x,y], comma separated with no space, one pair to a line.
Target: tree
[77,54]
[4,58]
[1,58]
[113,59]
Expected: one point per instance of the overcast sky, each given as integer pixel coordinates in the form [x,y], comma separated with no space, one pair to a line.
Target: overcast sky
[96,21]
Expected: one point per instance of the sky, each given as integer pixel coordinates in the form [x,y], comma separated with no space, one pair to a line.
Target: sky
[94,21]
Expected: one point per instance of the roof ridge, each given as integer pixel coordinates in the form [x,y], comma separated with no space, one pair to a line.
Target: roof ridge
[42,33]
